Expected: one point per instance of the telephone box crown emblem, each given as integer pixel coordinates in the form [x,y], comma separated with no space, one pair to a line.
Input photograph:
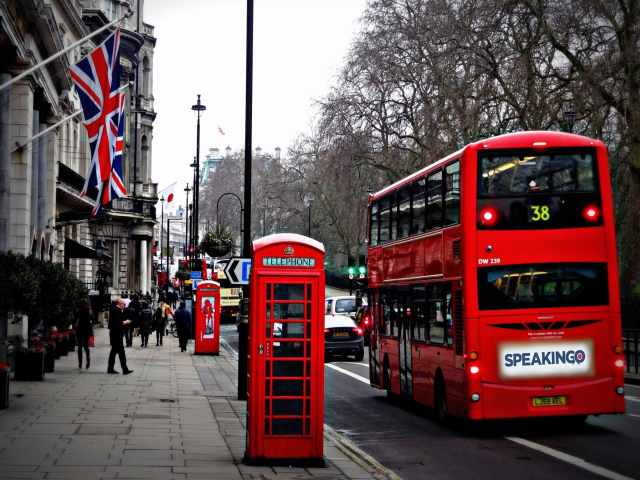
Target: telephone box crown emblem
[289,250]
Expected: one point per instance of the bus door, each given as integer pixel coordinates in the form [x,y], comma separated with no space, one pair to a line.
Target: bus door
[404,340]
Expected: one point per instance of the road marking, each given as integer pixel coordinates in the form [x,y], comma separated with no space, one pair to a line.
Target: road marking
[348,373]
[565,457]
[632,415]
[355,363]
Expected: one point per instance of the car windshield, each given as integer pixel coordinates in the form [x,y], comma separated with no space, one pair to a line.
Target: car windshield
[346,305]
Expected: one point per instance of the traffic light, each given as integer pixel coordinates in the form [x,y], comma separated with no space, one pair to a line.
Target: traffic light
[362,271]
[351,270]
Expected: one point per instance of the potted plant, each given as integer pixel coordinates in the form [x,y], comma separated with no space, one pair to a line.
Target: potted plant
[217,242]
[4,385]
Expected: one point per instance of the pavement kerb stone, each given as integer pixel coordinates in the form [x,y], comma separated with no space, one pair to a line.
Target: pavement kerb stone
[358,456]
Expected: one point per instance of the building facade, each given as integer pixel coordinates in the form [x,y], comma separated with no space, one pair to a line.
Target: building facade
[44,150]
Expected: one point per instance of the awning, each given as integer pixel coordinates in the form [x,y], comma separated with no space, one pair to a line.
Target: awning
[73,249]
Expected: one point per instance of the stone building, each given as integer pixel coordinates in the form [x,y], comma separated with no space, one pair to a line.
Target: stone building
[41,210]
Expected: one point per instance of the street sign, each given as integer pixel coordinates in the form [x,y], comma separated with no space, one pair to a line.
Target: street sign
[196,275]
[237,270]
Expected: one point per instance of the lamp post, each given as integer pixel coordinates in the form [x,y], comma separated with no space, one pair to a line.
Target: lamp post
[168,243]
[161,228]
[241,209]
[198,107]
[186,223]
[243,328]
[193,165]
[308,198]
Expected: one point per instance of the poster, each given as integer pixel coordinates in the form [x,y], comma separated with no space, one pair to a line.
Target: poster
[208,307]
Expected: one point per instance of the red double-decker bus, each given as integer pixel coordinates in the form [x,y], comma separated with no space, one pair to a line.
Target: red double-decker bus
[493,281]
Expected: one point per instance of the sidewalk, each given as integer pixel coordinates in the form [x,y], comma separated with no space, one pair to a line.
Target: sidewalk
[175,417]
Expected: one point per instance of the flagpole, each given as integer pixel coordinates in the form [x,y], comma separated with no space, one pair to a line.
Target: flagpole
[50,59]
[45,131]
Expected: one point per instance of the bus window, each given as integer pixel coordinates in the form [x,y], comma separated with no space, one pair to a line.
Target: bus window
[418,207]
[386,313]
[452,194]
[419,311]
[542,285]
[404,212]
[439,299]
[434,200]
[385,221]
[393,201]
[373,234]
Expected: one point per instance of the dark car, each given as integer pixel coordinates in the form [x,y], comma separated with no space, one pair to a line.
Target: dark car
[342,337]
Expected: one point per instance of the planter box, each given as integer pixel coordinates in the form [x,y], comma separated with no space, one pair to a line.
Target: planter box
[49,359]
[61,346]
[29,366]
[4,388]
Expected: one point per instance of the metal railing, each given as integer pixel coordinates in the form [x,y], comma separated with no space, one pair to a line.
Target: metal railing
[630,342]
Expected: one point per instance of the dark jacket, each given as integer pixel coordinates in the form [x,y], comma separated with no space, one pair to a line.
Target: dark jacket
[116,317]
[84,327]
[183,321]
[145,320]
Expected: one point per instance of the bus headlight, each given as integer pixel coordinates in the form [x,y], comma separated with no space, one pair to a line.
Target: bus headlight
[475,397]
[620,390]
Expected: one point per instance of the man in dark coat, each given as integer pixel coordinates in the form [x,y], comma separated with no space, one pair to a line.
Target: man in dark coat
[116,323]
[145,321]
[183,325]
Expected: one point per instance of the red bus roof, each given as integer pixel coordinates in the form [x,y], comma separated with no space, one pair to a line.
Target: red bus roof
[528,139]
[286,238]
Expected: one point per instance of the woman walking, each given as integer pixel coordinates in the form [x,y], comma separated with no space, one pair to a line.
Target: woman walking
[84,330]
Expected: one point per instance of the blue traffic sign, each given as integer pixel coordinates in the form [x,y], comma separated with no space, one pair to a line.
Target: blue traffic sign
[238,270]
[196,275]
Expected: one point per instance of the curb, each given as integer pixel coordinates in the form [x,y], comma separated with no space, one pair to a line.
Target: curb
[358,456]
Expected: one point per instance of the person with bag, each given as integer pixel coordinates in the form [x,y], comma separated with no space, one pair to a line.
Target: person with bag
[183,325]
[162,315]
[145,321]
[116,323]
[84,331]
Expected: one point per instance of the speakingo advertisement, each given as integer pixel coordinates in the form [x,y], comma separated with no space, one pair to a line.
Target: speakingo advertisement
[546,359]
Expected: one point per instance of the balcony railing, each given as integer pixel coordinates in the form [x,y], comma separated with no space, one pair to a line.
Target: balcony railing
[134,205]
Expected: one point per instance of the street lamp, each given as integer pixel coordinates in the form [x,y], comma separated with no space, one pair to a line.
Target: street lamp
[198,107]
[241,209]
[161,227]
[308,199]
[186,222]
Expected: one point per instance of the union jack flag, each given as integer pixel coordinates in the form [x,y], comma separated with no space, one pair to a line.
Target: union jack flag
[97,81]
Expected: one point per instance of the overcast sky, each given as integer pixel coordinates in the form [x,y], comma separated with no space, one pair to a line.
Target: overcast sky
[299,47]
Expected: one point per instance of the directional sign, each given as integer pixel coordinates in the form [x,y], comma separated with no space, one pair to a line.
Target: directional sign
[237,270]
[196,275]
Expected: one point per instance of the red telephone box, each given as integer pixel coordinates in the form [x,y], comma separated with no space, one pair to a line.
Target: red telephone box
[207,315]
[285,394]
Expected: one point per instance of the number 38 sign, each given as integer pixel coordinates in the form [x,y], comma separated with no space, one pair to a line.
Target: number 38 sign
[539,213]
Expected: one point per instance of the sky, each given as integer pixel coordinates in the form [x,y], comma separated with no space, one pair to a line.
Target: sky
[299,48]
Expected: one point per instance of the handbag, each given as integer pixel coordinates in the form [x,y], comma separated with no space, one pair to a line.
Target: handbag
[92,341]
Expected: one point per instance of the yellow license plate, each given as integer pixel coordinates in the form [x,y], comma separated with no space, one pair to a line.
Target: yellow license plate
[558,401]
[341,334]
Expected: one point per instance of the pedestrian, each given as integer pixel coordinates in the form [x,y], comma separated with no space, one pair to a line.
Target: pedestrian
[132,312]
[183,325]
[84,330]
[116,323]
[160,321]
[145,321]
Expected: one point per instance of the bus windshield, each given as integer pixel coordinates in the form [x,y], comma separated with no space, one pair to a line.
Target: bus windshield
[532,190]
[542,285]
[522,173]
